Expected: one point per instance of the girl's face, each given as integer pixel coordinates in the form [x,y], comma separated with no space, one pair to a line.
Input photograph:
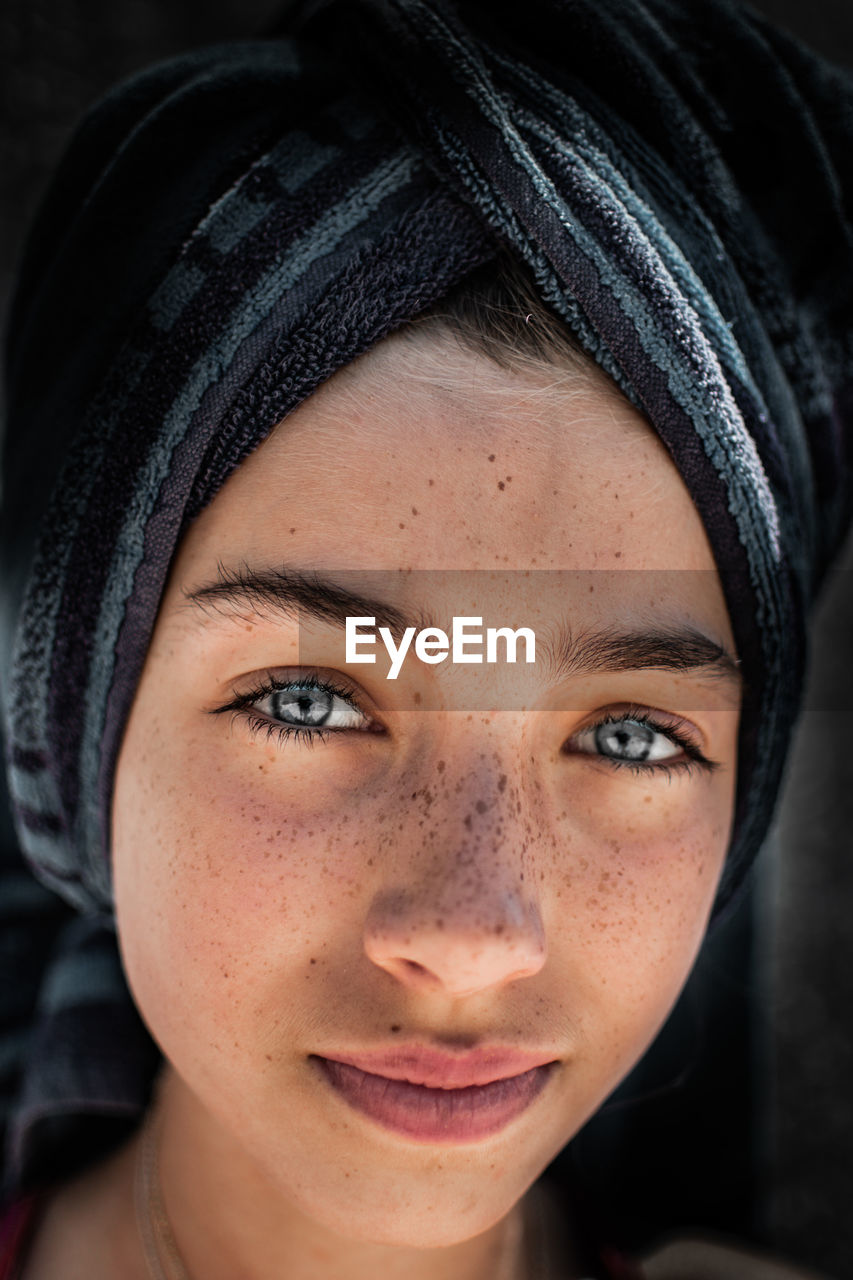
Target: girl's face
[467,874]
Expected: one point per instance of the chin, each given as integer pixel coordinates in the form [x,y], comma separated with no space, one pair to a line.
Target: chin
[439,1204]
[428,1222]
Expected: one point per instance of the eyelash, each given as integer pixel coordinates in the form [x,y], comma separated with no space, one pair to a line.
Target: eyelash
[692,759]
[243,707]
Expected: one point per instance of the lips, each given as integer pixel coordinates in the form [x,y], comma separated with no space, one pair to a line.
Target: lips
[430,1096]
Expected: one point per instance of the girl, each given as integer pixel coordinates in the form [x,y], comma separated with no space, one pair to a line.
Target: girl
[409,321]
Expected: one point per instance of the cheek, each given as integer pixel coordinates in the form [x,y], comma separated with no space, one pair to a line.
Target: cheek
[633,902]
[226,887]
[653,843]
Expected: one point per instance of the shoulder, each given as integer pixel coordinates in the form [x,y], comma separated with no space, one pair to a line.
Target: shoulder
[18,1222]
[702,1259]
[82,1229]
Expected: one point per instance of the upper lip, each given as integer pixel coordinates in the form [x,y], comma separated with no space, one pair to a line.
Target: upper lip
[438,1069]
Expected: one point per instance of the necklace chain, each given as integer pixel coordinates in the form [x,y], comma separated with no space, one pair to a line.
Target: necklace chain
[162,1259]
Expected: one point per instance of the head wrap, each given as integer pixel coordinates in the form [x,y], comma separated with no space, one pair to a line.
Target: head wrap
[230,228]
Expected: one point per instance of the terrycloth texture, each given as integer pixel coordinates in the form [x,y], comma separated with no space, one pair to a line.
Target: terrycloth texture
[231,228]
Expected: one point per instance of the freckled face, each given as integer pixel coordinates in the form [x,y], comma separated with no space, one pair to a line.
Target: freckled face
[535,875]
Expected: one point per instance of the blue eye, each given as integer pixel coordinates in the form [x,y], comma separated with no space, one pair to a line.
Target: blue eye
[631,740]
[641,743]
[306,709]
[311,706]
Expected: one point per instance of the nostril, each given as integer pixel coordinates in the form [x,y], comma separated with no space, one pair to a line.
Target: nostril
[412,971]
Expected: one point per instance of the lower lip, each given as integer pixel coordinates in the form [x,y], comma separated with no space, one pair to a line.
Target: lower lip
[436,1115]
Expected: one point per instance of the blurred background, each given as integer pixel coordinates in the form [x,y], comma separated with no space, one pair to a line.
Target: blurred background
[781,974]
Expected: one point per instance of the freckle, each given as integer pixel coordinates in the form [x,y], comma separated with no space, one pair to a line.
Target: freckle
[491,457]
[268,1057]
[395,1027]
[501,484]
[402,526]
[440,766]
[417,699]
[468,821]
[431,483]
[293,530]
[502,782]
[370,862]
[618,555]
[414,511]
[313,961]
[508,479]
[647,799]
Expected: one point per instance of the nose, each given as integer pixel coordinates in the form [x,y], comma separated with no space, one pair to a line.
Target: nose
[429,949]
[467,920]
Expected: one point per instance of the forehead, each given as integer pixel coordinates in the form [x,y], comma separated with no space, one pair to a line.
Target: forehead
[424,456]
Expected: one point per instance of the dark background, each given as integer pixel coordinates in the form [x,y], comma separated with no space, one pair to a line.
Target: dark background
[56,57]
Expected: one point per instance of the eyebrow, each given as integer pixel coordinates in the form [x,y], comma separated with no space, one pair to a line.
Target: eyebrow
[291,592]
[671,648]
